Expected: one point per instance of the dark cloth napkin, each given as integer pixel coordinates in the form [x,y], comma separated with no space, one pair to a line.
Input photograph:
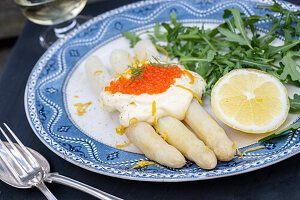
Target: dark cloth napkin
[279,181]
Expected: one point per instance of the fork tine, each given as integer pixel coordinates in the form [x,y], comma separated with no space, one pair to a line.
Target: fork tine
[8,165]
[28,153]
[12,169]
[26,165]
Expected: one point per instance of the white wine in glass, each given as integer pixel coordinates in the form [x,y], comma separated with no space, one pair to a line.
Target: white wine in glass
[59,14]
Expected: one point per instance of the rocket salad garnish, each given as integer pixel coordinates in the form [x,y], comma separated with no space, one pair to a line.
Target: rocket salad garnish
[214,52]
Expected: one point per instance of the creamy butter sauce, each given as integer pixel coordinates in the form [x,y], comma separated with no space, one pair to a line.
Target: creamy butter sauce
[173,102]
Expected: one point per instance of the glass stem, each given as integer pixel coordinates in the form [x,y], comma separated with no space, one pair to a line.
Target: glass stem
[62,29]
[52,33]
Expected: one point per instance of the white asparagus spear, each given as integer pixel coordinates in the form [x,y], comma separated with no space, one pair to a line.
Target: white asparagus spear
[119,60]
[144,49]
[153,146]
[209,131]
[97,74]
[143,135]
[179,136]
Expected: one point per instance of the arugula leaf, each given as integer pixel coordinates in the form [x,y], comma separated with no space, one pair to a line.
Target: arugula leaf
[298,29]
[267,42]
[257,64]
[272,31]
[295,103]
[292,128]
[233,37]
[230,26]
[158,34]
[275,7]
[173,18]
[226,13]
[290,68]
[240,25]
[296,12]
[210,56]
[284,48]
[133,38]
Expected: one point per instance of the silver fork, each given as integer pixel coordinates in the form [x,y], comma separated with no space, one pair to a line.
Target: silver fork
[22,165]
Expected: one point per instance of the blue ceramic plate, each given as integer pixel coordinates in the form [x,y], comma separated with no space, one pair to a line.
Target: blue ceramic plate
[58,81]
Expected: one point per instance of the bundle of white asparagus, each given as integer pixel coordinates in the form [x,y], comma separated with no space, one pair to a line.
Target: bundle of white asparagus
[205,145]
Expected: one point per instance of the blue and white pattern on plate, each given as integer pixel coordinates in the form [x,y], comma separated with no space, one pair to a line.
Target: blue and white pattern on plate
[44,96]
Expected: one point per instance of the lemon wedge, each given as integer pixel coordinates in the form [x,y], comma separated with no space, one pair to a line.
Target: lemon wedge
[250,100]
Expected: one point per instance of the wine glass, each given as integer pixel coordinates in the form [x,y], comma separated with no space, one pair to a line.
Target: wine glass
[59,15]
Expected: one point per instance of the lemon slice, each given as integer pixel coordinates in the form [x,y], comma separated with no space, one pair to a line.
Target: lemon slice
[250,100]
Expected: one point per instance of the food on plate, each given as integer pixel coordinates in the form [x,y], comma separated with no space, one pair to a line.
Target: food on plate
[237,43]
[160,103]
[152,99]
[119,60]
[135,97]
[143,163]
[209,131]
[250,100]
[144,49]
[179,136]
[97,74]
[81,107]
[292,128]
[153,146]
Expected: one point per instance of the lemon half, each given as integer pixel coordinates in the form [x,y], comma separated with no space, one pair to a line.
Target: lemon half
[250,100]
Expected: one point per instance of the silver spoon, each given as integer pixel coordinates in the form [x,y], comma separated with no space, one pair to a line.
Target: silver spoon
[7,177]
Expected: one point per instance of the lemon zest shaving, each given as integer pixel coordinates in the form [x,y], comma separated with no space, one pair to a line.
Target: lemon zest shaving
[154,114]
[143,163]
[207,148]
[155,124]
[130,59]
[153,108]
[237,150]
[132,123]
[81,107]
[252,149]
[136,60]
[144,61]
[76,96]
[234,145]
[146,56]
[189,75]
[98,72]
[120,130]
[164,136]
[123,145]
[163,50]
[246,151]
[126,73]
[186,113]
[191,91]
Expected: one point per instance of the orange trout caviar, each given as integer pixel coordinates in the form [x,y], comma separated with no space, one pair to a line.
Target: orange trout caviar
[155,80]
